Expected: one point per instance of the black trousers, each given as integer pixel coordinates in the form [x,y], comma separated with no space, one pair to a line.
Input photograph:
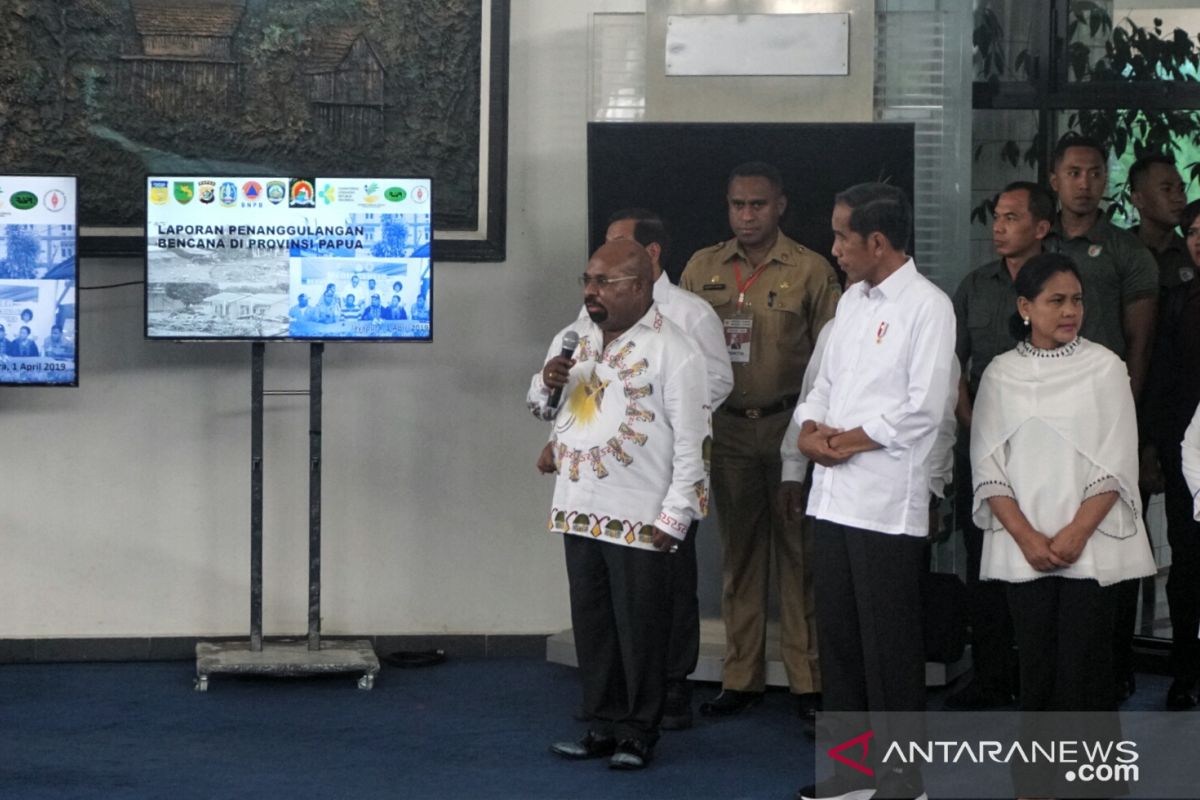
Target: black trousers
[868,597]
[683,645]
[1183,580]
[1064,634]
[620,616]
[1064,630]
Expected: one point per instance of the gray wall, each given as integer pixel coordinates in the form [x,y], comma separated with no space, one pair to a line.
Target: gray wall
[126,505]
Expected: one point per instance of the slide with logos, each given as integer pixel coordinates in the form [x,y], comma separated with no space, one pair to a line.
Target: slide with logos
[257,257]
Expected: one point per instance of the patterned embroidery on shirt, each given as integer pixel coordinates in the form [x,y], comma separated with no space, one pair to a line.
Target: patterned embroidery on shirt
[632,435]
[634,371]
[617,360]
[635,412]
[574,458]
[596,526]
[595,457]
[585,402]
[585,352]
[584,407]
[638,392]
[618,451]
[701,490]
[1025,348]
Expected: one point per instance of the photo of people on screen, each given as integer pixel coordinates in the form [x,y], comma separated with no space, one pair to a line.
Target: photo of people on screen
[353,299]
[37,331]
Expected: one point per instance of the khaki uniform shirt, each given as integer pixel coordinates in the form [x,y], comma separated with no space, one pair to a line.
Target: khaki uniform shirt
[790,301]
[1117,270]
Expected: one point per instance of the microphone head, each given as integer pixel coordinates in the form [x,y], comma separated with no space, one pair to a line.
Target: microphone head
[570,341]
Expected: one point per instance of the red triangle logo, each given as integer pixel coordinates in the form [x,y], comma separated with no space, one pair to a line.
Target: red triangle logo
[858,741]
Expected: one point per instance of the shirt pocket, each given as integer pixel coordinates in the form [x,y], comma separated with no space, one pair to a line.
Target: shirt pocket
[980,317]
[785,319]
[720,299]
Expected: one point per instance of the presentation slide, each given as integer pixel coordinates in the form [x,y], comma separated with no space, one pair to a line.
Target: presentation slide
[270,258]
[38,280]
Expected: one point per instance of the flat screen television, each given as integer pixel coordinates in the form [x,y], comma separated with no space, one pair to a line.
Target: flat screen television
[269,258]
[39,340]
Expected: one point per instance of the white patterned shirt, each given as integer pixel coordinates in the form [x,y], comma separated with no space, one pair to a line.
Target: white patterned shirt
[631,433]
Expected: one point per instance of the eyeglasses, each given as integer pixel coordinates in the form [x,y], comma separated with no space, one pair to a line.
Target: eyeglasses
[601,281]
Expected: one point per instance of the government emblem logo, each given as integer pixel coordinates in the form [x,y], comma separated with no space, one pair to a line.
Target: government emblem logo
[276,192]
[328,194]
[301,193]
[228,194]
[208,191]
[158,193]
[252,190]
[1095,250]
[55,200]
[184,192]
[371,193]
[419,194]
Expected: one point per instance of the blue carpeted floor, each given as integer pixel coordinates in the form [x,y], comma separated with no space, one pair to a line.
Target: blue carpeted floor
[464,729]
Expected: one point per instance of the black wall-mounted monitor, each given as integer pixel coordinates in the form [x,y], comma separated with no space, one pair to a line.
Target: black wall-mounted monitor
[39,323]
[271,258]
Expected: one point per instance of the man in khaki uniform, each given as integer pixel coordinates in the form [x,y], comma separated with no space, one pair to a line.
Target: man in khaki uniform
[773,295]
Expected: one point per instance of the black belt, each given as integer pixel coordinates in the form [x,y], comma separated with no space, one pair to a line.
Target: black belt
[786,404]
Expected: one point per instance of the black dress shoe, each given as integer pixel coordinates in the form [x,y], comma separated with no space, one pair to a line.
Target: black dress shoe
[630,754]
[590,746]
[730,702]
[677,711]
[1180,696]
[807,705]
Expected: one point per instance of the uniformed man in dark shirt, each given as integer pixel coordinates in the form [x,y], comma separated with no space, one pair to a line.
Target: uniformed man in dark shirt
[983,304]
[1156,190]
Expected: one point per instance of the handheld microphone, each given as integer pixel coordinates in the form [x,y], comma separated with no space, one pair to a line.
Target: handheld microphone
[570,341]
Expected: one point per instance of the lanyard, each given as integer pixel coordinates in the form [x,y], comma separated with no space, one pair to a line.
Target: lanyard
[744,287]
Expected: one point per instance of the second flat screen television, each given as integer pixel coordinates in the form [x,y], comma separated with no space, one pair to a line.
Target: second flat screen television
[283,258]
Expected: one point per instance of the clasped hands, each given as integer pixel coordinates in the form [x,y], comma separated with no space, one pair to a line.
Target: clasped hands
[829,446]
[1046,555]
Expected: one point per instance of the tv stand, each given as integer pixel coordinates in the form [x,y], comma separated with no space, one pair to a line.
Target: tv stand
[285,657]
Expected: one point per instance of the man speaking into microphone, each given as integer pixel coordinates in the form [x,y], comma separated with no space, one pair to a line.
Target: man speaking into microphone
[630,435]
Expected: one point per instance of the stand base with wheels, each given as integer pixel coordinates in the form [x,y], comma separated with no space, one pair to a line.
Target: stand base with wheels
[297,657]
[285,660]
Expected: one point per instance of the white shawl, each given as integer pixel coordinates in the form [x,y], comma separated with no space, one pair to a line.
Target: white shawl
[1081,395]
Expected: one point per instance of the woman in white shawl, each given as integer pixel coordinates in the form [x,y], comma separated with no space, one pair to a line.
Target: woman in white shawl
[1054,457]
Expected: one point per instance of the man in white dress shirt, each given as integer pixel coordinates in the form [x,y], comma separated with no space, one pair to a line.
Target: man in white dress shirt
[870,424]
[698,320]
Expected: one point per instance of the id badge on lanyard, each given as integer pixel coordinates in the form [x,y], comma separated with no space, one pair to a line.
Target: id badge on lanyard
[740,326]
[737,336]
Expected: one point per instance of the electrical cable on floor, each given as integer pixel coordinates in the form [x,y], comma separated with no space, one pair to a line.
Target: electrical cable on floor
[113,285]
